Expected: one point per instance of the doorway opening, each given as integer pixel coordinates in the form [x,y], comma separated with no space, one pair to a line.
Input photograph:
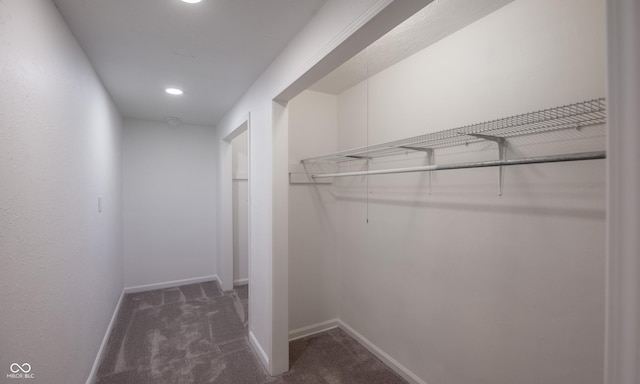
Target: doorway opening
[234,262]
[240,212]
[240,197]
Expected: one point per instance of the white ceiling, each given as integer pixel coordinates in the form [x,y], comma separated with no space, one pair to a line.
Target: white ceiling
[436,21]
[213,50]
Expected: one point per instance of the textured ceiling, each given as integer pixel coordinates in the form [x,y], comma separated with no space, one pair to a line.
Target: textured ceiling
[213,50]
[434,22]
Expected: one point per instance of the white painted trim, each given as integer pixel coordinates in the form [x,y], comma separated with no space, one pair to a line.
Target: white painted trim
[330,46]
[324,326]
[249,181]
[622,338]
[174,283]
[105,339]
[258,349]
[278,279]
[241,282]
[380,354]
[313,329]
[240,176]
[219,280]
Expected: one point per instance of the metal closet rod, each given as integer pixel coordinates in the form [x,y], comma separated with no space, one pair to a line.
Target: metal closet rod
[478,164]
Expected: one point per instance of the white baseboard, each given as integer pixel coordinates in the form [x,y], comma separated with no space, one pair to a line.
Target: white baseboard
[241,282]
[379,353]
[312,329]
[388,360]
[258,349]
[169,284]
[221,285]
[105,339]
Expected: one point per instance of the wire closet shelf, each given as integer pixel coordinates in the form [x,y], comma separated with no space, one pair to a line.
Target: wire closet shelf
[576,116]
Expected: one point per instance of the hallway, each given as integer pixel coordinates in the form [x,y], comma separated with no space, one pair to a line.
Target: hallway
[429,191]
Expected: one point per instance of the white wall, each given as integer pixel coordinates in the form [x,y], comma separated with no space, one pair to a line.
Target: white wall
[60,135]
[463,286]
[239,149]
[268,289]
[169,211]
[313,275]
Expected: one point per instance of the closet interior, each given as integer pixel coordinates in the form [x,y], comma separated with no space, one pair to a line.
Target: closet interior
[447,194]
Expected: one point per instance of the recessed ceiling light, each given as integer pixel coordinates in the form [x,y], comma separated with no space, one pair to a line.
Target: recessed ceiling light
[174,91]
[191,1]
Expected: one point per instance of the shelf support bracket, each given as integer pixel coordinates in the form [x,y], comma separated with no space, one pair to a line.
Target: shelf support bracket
[430,158]
[502,154]
[358,157]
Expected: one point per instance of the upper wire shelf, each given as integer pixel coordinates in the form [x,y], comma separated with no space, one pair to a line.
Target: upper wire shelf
[578,115]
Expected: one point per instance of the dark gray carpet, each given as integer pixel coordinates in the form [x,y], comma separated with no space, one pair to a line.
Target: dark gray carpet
[198,334]
[333,357]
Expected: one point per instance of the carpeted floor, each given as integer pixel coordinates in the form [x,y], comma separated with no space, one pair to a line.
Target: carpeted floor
[198,334]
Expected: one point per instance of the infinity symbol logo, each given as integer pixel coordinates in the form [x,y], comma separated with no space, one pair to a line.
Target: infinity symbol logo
[15,368]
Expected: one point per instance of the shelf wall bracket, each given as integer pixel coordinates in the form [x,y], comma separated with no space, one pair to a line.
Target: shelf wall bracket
[430,158]
[358,157]
[502,155]
[430,161]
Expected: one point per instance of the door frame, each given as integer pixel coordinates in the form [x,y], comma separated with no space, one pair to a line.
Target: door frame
[225,243]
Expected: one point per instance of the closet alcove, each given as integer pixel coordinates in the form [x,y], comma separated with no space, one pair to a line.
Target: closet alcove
[489,274]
